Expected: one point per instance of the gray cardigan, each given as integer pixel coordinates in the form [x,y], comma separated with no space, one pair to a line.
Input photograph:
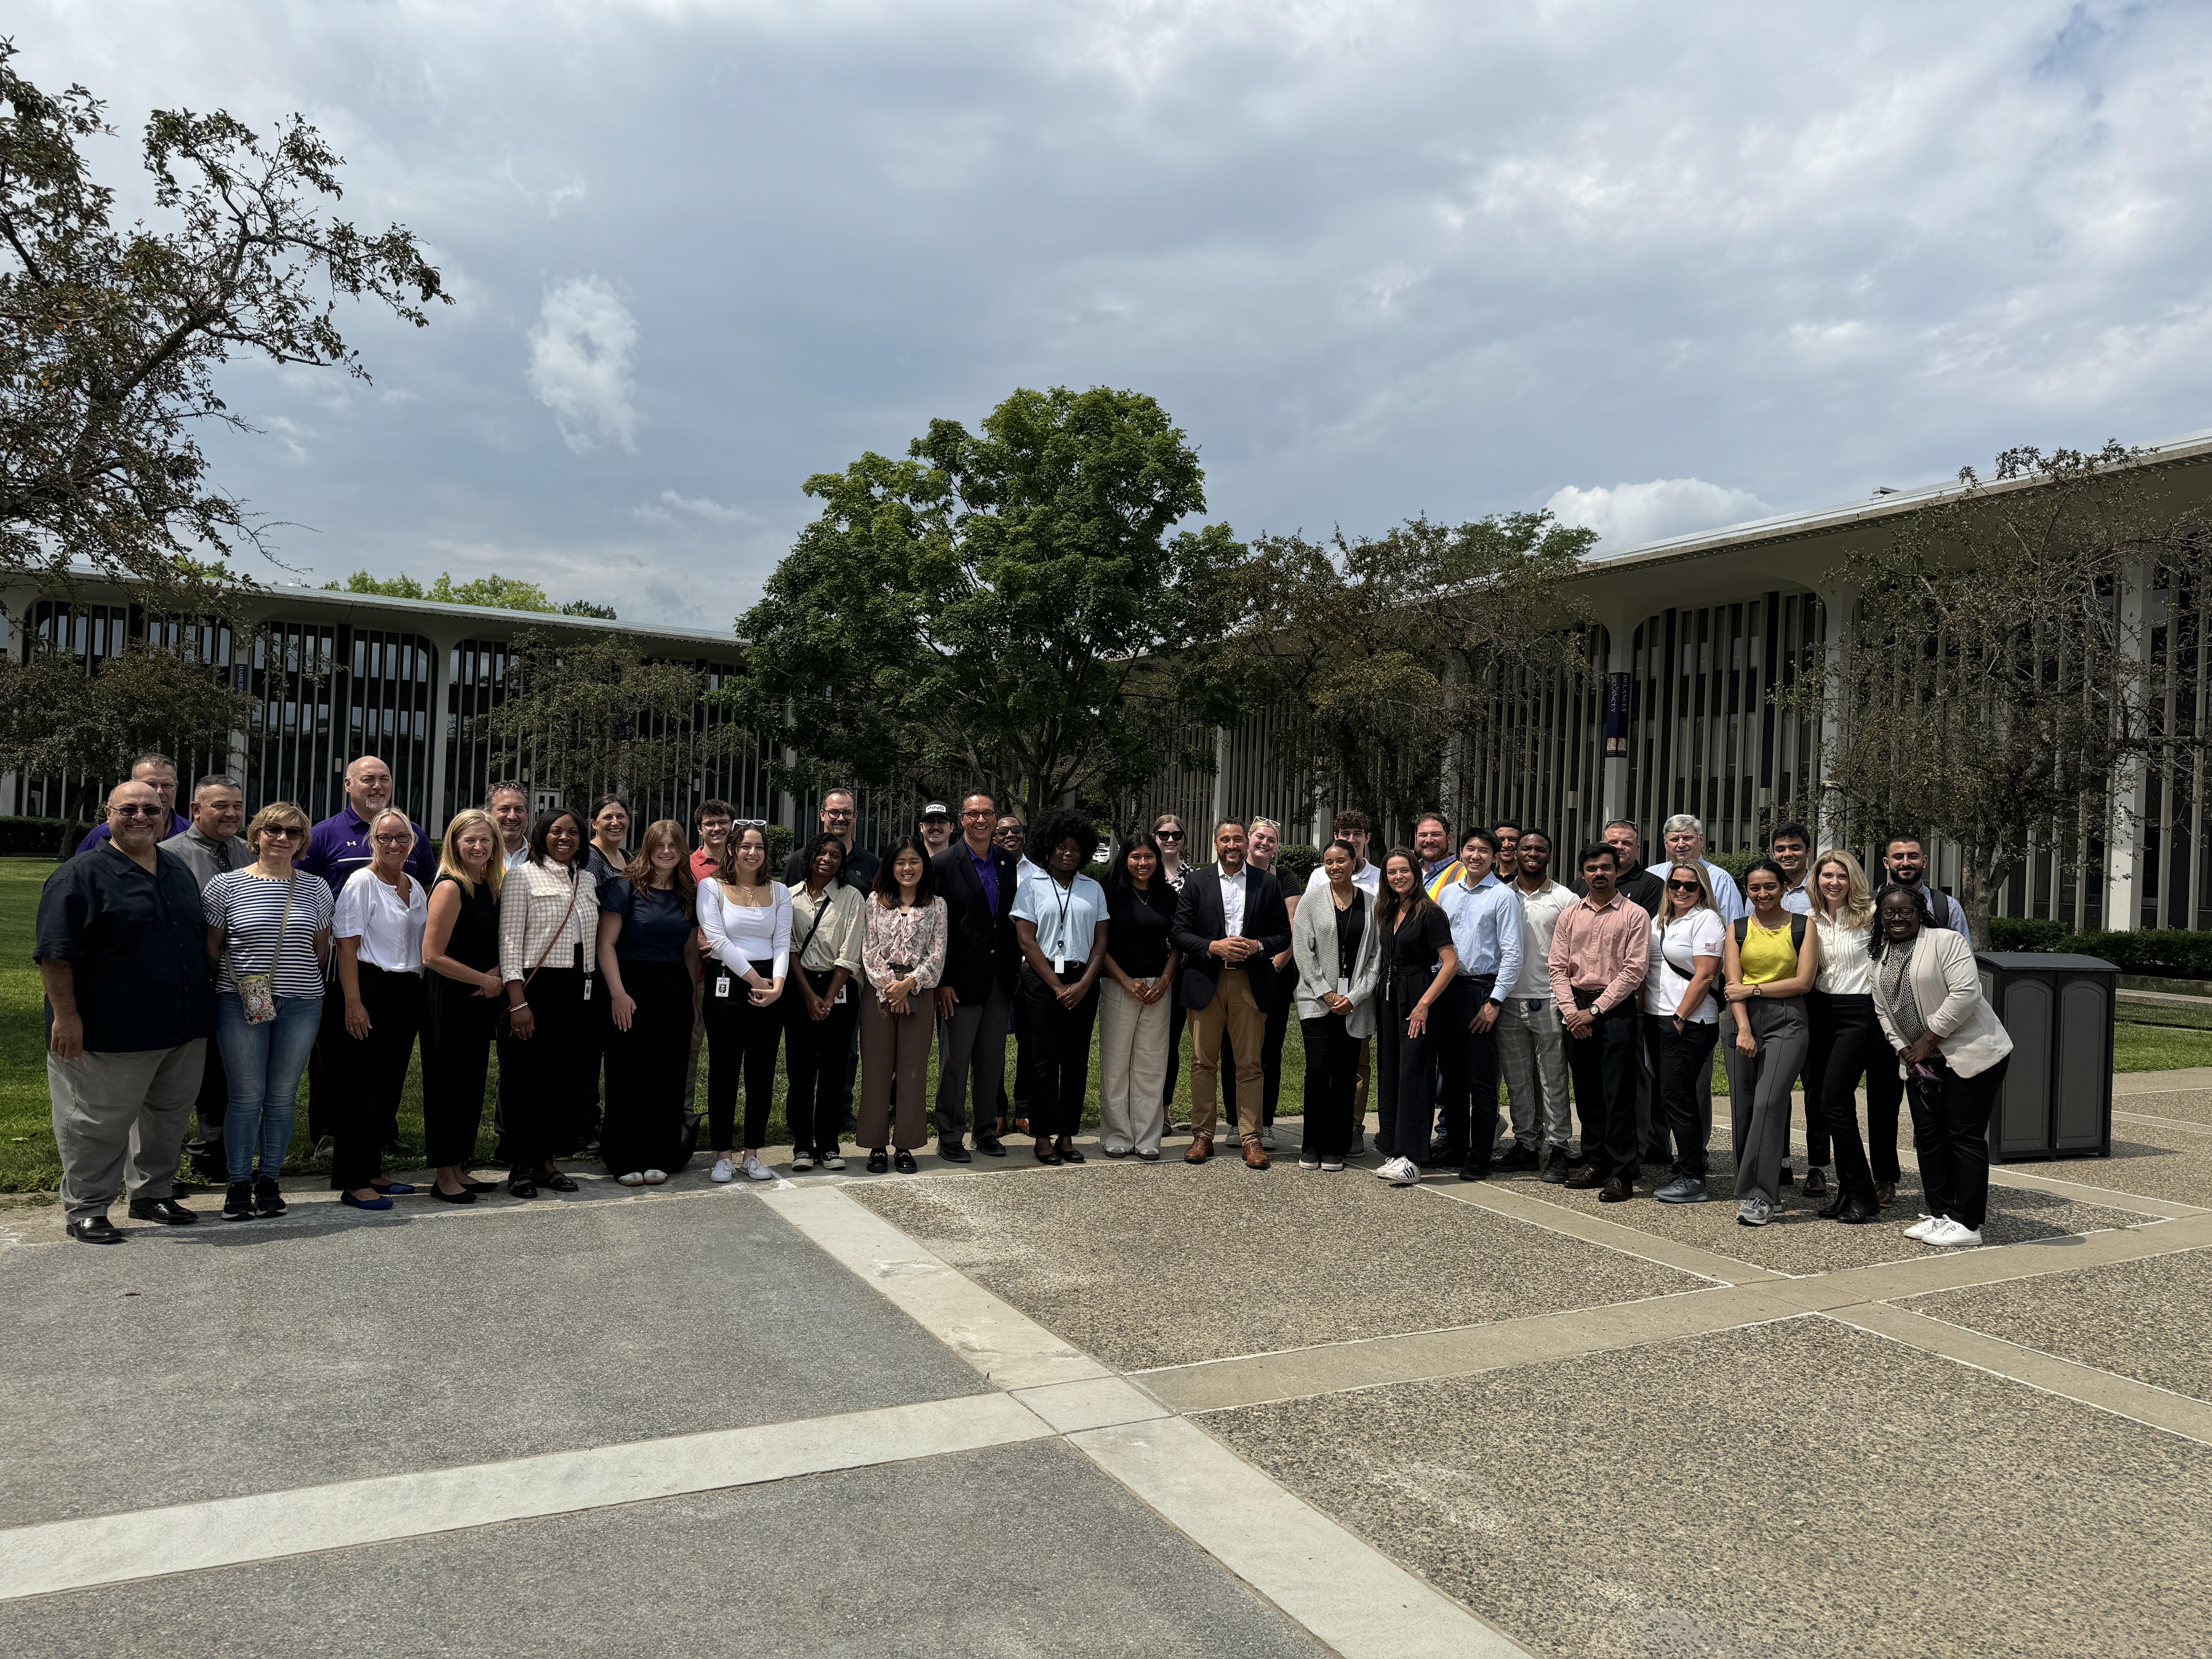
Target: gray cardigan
[1313,953]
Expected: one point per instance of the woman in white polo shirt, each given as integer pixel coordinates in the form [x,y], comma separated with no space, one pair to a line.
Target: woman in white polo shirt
[1060,921]
[1679,1010]
[380,913]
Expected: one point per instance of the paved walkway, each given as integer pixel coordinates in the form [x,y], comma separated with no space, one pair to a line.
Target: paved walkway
[1006,1409]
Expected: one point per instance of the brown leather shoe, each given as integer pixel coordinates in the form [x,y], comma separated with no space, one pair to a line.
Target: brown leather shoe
[1615,1191]
[1201,1148]
[1885,1193]
[1583,1176]
[1255,1156]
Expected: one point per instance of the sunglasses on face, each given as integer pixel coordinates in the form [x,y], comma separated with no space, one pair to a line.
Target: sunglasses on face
[135,812]
[1681,887]
[1167,835]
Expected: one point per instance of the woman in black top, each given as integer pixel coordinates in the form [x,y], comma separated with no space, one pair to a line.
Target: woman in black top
[1135,1007]
[649,959]
[604,858]
[1418,965]
[1332,947]
[462,998]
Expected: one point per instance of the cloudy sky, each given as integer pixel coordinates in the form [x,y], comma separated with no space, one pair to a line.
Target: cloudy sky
[1658,267]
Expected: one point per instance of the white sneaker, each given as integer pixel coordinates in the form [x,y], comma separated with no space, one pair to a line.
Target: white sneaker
[1406,1173]
[1308,1160]
[723,1173]
[1949,1234]
[802,1160]
[635,1178]
[1386,1169]
[1922,1228]
[655,1177]
[1267,1138]
[753,1170]
[832,1162]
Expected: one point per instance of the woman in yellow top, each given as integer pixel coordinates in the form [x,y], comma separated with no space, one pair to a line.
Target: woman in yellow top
[1771,958]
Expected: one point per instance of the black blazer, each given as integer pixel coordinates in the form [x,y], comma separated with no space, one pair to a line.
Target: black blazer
[1200,921]
[979,946]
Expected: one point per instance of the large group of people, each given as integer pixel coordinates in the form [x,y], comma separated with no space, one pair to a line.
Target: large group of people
[1504,1020]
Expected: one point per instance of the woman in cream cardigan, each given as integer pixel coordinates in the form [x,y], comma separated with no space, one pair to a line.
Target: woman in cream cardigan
[1951,1053]
[1337,950]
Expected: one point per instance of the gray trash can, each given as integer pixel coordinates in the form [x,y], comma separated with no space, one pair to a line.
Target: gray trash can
[2057,1096]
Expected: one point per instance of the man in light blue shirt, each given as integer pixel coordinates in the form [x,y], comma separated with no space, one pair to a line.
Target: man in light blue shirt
[1906,862]
[1684,838]
[1485,926]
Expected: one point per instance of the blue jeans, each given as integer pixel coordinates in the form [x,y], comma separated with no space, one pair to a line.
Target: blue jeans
[264,1063]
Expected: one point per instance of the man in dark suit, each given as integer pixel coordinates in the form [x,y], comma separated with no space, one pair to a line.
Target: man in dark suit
[1229,924]
[840,817]
[975,879]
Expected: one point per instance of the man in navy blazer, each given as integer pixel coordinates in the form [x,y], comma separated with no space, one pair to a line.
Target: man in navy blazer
[1231,922]
[975,879]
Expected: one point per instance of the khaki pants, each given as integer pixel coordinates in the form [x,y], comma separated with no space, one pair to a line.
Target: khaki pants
[121,1117]
[1132,1063]
[893,1047]
[1233,1010]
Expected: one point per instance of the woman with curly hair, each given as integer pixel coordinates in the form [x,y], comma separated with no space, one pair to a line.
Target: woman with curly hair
[1059,922]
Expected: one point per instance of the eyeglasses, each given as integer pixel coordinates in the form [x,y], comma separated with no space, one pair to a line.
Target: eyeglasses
[1681,886]
[135,812]
[392,840]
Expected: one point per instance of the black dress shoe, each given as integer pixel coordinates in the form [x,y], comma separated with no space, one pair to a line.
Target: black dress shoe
[1474,1172]
[953,1152]
[990,1146]
[904,1163]
[93,1230]
[878,1160]
[1517,1157]
[463,1196]
[1853,1212]
[167,1211]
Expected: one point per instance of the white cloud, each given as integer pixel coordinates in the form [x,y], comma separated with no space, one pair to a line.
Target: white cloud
[580,364]
[1627,515]
[670,504]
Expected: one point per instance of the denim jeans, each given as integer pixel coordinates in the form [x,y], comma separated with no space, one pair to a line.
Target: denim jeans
[264,1062]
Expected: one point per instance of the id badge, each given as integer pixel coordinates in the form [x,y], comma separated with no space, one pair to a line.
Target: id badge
[1059,966]
[587,987]
[1343,986]
[722,987]
[838,1001]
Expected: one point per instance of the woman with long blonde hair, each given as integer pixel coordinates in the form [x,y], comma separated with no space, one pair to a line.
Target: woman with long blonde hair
[1847,1044]
[460,1003]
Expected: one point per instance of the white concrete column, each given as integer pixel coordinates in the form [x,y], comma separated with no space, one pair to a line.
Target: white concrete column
[2125,865]
[1837,605]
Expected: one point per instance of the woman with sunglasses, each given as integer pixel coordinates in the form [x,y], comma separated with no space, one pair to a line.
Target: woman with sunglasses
[462,994]
[268,925]
[1682,1018]
[1772,958]
[1169,836]
[549,928]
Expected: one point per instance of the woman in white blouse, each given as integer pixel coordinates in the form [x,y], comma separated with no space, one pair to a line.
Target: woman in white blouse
[379,928]
[549,927]
[746,919]
[1847,1044]
[1688,943]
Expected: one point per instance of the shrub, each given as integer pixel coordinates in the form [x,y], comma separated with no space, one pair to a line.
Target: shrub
[40,838]
[2161,953]
[780,840]
[1734,863]
[2019,933]
[1295,863]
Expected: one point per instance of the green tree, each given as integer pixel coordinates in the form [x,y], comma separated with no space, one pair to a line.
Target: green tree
[110,335]
[1392,660]
[591,712]
[981,610]
[1999,685]
[498,591]
[57,714]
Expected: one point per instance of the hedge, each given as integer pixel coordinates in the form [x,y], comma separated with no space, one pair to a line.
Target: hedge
[1295,863]
[2155,952]
[41,838]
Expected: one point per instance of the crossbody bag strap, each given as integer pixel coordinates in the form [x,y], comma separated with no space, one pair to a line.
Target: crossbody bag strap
[291,887]
[574,887]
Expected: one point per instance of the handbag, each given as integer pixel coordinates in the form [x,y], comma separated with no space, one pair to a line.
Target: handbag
[257,993]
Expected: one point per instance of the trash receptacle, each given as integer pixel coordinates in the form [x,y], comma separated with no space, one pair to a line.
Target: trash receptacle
[2057,1096]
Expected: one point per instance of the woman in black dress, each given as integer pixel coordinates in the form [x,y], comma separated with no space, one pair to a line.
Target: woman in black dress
[1418,965]
[461,1002]
[649,958]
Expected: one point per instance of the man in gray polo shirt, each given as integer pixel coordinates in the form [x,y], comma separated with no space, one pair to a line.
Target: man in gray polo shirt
[212,846]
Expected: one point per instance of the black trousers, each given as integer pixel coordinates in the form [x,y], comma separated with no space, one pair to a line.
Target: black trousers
[369,1074]
[1175,1051]
[1406,1065]
[1468,1062]
[214,1096]
[1847,1042]
[457,1033]
[1332,1077]
[1018,1106]
[1951,1133]
[1685,1069]
[814,1052]
[648,1067]
[1604,1066]
[1060,1052]
[741,1039]
[326,1062]
[545,1082]
[1819,1150]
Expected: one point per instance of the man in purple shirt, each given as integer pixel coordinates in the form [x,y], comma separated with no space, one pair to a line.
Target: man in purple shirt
[156,768]
[975,879]
[338,847]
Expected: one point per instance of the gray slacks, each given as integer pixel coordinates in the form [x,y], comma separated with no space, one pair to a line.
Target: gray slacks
[1532,1053]
[1759,1092]
[971,1060]
[121,1117]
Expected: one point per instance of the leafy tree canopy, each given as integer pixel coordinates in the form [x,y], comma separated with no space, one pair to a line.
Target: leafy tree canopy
[57,717]
[110,335]
[501,592]
[981,610]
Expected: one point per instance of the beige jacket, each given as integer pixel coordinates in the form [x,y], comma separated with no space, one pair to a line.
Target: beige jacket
[1947,985]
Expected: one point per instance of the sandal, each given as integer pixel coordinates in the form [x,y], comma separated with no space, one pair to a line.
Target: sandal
[558,1182]
[1068,1154]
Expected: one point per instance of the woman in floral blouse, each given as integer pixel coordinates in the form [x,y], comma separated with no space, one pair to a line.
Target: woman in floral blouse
[903,957]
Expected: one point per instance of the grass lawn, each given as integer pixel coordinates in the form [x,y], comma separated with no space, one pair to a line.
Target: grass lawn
[28,1162]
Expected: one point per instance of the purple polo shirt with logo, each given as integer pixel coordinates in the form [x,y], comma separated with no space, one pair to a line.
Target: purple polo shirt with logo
[340,846]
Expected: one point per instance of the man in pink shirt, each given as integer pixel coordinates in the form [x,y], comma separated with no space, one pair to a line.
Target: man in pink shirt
[1600,952]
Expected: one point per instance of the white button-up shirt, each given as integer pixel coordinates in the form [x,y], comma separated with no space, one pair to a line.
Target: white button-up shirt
[1540,914]
[1232,901]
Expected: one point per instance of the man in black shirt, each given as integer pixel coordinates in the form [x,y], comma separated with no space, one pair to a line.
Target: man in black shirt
[121,949]
[840,817]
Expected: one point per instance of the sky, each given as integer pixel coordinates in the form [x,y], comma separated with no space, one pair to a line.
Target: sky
[1658,268]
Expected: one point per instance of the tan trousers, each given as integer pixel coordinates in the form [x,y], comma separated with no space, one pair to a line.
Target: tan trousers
[1232,1009]
[893,1045]
[1132,1063]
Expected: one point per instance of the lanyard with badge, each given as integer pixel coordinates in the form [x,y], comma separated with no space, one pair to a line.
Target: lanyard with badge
[1064,898]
